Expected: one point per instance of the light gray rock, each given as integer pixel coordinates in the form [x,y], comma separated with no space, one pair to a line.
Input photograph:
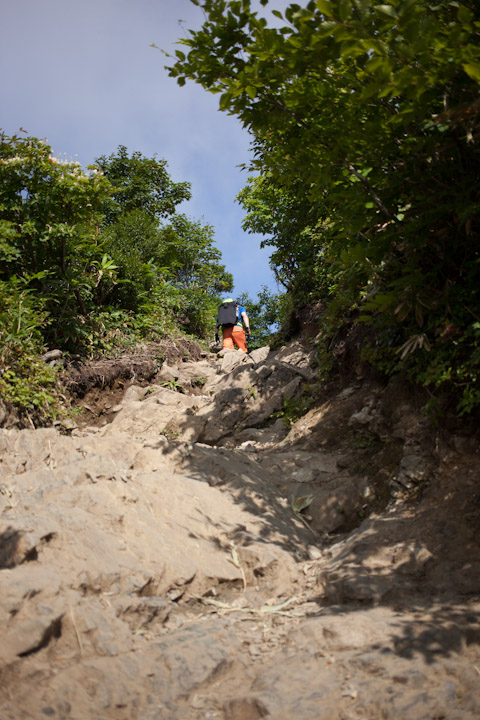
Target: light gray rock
[233,358]
[133,393]
[52,355]
[263,437]
[363,417]
[295,354]
[264,371]
[346,393]
[260,354]
[272,403]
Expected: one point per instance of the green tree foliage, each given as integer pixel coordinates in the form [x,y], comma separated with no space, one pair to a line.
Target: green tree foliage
[263,314]
[193,265]
[186,248]
[143,195]
[133,243]
[50,210]
[89,263]
[140,183]
[153,245]
[369,114]
[285,216]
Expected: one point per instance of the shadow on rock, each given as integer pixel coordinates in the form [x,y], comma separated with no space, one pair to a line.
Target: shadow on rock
[9,545]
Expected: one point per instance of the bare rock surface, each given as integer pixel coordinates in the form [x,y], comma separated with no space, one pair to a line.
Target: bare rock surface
[200,552]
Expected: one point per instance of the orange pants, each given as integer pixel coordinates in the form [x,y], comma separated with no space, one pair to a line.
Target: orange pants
[234,336]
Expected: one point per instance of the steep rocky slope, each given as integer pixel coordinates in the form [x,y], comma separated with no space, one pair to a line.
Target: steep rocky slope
[187,555]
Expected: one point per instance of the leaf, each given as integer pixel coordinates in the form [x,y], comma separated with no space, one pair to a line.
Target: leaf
[354,254]
[301,503]
[216,603]
[225,99]
[276,608]
[419,315]
[351,48]
[372,44]
[413,342]
[386,10]
[408,346]
[374,63]
[345,9]
[235,559]
[325,7]
[464,15]
[472,70]
[371,90]
[367,319]
[328,25]
[278,14]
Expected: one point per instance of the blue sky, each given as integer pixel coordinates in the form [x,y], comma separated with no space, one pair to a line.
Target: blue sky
[82,74]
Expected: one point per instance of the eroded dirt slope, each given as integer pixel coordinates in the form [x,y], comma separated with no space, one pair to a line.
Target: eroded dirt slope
[185,555]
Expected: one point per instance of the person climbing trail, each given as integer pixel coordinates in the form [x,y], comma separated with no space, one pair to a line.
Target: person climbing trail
[233,319]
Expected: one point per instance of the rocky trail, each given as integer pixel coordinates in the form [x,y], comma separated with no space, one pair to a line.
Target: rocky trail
[187,554]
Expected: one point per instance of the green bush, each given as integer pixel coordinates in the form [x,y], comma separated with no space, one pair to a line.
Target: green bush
[26,382]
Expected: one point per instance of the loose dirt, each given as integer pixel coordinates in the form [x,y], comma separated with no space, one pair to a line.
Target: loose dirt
[198,546]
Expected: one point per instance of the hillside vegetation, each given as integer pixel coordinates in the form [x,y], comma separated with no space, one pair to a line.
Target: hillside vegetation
[364,121]
[93,261]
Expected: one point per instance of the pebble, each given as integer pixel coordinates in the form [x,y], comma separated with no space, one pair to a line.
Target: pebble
[313,552]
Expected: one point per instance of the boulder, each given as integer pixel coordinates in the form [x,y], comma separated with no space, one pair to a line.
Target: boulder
[260,354]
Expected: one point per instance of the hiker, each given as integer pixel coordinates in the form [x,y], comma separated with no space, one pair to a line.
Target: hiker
[233,318]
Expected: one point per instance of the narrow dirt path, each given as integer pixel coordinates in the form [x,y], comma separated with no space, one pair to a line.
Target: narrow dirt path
[189,556]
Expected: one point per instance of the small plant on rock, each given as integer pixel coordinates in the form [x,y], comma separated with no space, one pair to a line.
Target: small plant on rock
[198,381]
[173,385]
[293,408]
